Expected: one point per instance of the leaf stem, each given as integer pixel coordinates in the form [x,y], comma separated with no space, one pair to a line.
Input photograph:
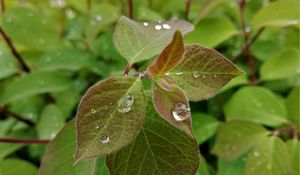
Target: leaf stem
[2,7]
[292,129]
[13,140]
[187,9]
[127,69]
[17,116]
[8,41]
[130,6]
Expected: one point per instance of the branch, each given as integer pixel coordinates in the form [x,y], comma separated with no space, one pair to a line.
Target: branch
[14,51]
[17,116]
[13,140]
[127,69]
[130,6]
[187,9]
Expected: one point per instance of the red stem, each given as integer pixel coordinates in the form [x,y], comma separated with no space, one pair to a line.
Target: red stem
[187,9]
[130,6]
[13,140]
[127,69]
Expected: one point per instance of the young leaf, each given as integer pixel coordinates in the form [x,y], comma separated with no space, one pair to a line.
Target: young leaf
[109,116]
[159,148]
[59,156]
[141,41]
[236,138]
[14,166]
[203,72]
[170,56]
[173,106]
[256,104]
[269,157]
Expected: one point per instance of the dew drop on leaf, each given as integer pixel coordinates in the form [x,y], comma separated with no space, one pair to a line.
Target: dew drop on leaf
[146,24]
[104,139]
[57,3]
[204,76]
[97,127]
[166,26]
[178,73]
[98,18]
[93,111]
[196,74]
[157,27]
[181,112]
[125,103]
[215,75]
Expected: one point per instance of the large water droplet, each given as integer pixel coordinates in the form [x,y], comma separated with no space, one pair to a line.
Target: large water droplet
[166,26]
[125,103]
[145,24]
[178,73]
[181,112]
[196,74]
[93,111]
[104,139]
[157,27]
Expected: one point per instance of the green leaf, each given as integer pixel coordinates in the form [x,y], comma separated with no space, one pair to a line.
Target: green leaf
[236,138]
[293,147]
[236,81]
[236,167]
[8,65]
[169,57]
[204,126]
[159,148]
[109,116]
[279,13]
[293,106]
[34,83]
[269,157]
[136,42]
[173,106]
[203,168]
[256,104]
[203,72]
[30,28]
[17,167]
[207,6]
[59,157]
[278,68]
[211,32]
[51,121]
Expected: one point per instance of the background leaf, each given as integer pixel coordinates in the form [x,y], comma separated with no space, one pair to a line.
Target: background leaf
[293,106]
[8,167]
[293,147]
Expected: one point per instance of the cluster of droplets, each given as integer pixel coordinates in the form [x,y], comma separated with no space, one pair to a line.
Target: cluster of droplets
[125,104]
[159,26]
[181,112]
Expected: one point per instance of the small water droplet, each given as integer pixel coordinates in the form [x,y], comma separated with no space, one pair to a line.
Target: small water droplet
[104,139]
[168,73]
[181,112]
[256,153]
[178,73]
[93,111]
[157,27]
[98,18]
[145,24]
[204,76]
[159,21]
[215,75]
[166,26]
[97,127]
[196,74]
[125,103]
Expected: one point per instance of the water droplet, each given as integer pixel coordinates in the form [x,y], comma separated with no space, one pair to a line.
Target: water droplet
[145,24]
[159,21]
[204,76]
[196,74]
[52,135]
[70,14]
[57,3]
[181,112]
[178,73]
[256,153]
[98,18]
[168,73]
[93,111]
[166,26]
[104,139]
[215,75]
[97,127]
[139,75]
[126,103]
[157,27]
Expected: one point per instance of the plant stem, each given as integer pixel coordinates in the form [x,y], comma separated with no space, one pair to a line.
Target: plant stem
[127,69]
[14,51]
[13,140]
[130,6]
[2,7]
[292,129]
[88,5]
[187,9]
[20,118]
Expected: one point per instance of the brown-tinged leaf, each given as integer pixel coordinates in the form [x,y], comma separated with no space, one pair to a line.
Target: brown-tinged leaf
[203,72]
[109,116]
[169,57]
[173,106]
[159,149]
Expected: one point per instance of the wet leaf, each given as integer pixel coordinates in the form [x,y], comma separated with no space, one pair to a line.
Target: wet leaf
[8,65]
[138,41]
[236,167]
[170,56]
[173,106]
[236,138]
[13,166]
[159,148]
[203,72]
[109,116]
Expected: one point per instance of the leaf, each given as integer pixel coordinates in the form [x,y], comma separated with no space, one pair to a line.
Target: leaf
[207,6]
[8,65]
[136,42]
[204,126]
[58,159]
[51,121]
[211,32]
[293,105]
[269,157]
[30,28]
[256,104]
[15,166]
[159,148]
[109,116]
[203,72]
[169,57]
[33,84]
[203,168]
[236,167]
[279,13]
[173,106]
[278,68]
[293,147]
[236,81]
[235,138]
[67,100]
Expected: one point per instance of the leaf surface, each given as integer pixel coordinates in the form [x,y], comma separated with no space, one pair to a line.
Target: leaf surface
[13,166]
[109,116]
[203,72]
[138,41]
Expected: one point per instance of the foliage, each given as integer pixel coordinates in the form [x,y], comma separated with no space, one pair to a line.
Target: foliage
[225,80]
